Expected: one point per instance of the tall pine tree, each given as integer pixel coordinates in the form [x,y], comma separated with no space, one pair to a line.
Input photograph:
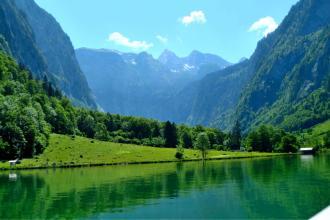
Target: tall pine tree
[170,135]
[235,137]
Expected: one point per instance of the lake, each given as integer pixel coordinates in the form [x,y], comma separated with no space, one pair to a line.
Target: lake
[278,187]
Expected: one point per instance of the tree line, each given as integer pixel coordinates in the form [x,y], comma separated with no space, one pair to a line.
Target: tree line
[32,109]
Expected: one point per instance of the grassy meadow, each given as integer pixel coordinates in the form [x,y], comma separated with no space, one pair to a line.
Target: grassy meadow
[67,151]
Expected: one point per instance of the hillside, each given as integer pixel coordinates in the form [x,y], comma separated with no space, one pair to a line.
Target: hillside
[284,83]
[35,39]
[291,87]
[30,110]
[316,134]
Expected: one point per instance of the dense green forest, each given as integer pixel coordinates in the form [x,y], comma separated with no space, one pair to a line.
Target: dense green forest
[32,109]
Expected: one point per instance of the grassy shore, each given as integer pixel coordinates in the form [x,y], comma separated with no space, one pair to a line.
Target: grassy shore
[65,151]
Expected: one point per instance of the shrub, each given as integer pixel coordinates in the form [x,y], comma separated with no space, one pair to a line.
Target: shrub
[220,147]
[179,155]
[179,152]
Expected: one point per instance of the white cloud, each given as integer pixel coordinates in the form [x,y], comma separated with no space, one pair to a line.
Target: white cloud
[193,17]
[162,39]
[264,25]
[120,39]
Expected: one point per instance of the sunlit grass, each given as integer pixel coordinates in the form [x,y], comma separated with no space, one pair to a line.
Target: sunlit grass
[79,151]
[315,135]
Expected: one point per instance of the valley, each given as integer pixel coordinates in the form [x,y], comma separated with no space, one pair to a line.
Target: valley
[165,121]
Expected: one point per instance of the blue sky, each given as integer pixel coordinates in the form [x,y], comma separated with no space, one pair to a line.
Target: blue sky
[228,28]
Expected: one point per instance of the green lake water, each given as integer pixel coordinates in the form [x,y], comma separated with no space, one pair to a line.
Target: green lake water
[279,187]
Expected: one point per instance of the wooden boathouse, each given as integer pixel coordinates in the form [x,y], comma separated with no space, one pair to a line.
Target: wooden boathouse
[307,150]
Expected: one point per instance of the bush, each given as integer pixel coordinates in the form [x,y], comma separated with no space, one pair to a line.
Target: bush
[157,142]
[220,147]
[179,152]
[179,155]
[136,141]
[119,139]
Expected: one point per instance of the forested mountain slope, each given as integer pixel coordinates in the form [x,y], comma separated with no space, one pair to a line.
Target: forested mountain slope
[285,82]
[36,40]
[291,86]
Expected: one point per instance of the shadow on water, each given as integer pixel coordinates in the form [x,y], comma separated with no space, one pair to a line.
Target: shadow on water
[292,187]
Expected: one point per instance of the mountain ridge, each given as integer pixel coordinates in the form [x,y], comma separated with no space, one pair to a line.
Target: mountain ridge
[152,81]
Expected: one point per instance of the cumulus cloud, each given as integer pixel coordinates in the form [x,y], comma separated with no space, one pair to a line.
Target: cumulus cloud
[162,39]
[193,17]
[120,39]
[264,25]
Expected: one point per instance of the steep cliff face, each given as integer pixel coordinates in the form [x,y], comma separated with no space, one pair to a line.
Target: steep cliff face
[19,38]
[57,49]
[37,41]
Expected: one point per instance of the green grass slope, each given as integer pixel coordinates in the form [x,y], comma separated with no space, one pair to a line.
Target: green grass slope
[314,135]
[66,151]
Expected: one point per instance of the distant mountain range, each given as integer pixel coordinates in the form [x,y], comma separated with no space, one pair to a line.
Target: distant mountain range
[138,84]
[35,39]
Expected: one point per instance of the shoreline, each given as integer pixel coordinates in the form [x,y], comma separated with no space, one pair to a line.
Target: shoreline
[85,165]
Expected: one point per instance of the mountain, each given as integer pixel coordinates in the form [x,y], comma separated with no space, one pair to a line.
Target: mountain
[35,39]
[170,59]
[17,38]
[124,83]
[138,84]
[213,99]
[290,87]
[285,82]
[242,59]
[196,63]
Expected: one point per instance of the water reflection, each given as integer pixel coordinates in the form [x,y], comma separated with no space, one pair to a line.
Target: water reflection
[258,188]
[12,176]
